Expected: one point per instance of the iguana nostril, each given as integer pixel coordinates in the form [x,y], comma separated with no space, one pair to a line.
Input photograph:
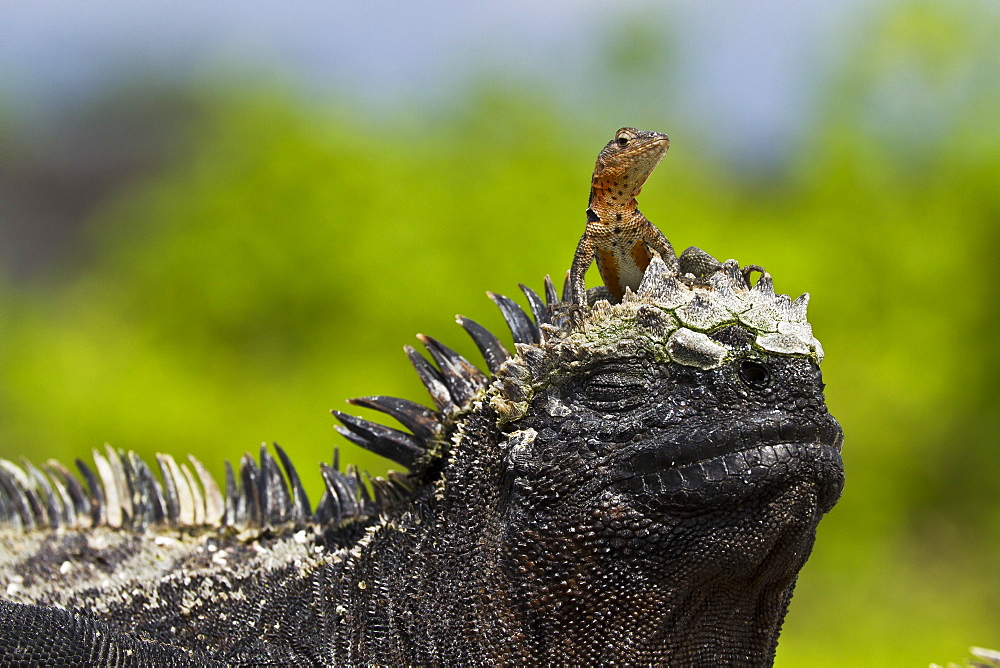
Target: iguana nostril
[754,373]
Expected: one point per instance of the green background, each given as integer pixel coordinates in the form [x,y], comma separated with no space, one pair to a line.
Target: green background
[278,260]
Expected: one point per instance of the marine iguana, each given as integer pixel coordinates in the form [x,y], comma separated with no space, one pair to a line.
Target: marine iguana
[634,482]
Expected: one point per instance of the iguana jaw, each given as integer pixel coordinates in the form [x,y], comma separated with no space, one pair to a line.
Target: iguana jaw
[726,480]
[710,449]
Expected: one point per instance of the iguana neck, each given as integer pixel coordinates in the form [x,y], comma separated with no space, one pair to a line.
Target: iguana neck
[568,603]
[739,619]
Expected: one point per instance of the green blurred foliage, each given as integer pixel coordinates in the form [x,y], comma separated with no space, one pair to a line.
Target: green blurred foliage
[279,265]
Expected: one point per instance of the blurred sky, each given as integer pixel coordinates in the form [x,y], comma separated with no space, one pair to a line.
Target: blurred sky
[747,70]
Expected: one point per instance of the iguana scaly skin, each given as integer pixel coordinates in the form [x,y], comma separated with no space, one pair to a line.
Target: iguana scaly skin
[638,482]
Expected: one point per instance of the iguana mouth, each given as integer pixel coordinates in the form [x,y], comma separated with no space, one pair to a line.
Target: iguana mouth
[702,445]
[734,462]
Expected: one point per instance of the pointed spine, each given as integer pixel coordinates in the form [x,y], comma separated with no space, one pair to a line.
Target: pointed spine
[156,505]
[276,503]
[365,502]
[81,502]
[764,285]
[799,307]
[179,499]
[21,505]
[9,515]
[521,326]
[97,503]
[215,506]
[197,502]
[51,502]
[113,504]
[328,510]
[393,444]
[135,490]
[250,485]
[489,345]
[461,377]
[121,484]
[68,516]
[431,379]
[551,296]
[538,308]
[422,421]
[380,490]
[341,496]
[300,501]
[235,509]
[567,291]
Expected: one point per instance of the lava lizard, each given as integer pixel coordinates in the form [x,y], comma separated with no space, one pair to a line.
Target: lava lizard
[618,235]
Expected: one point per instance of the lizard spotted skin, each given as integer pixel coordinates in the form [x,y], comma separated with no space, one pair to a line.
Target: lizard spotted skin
[637,482]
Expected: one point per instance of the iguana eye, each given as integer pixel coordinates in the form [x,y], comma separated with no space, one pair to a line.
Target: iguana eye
[754,373]
[615,390]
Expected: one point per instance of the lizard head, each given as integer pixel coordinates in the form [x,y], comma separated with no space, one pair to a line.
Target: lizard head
[628,160]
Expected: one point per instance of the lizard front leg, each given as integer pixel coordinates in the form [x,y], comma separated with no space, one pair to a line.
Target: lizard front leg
[584,256]
[657,241]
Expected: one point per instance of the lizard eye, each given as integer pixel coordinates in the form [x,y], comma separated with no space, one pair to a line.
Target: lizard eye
[622,140]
